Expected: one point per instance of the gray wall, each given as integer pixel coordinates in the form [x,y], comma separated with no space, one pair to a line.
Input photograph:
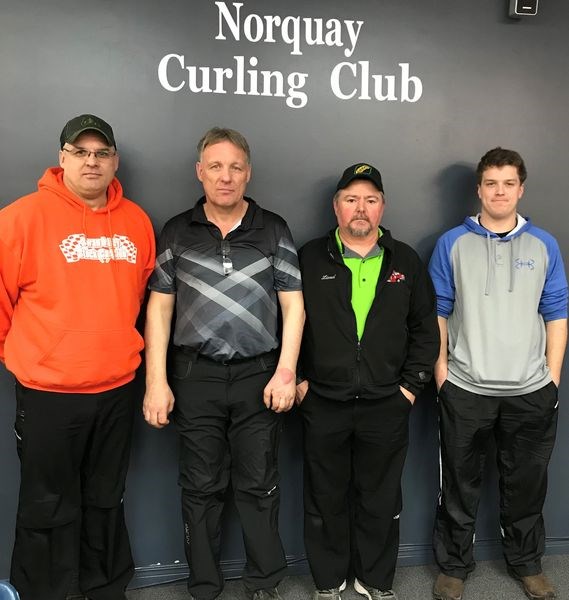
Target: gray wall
[487,81]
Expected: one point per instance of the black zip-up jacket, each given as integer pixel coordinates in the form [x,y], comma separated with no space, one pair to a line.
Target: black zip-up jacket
[400,343]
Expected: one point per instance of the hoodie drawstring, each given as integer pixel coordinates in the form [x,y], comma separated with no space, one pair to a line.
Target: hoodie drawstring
[512,239]
[84,221]
[111,235]
[489,264]
[512,270]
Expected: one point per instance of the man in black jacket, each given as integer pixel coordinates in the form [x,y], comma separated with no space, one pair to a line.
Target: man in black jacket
[370,343]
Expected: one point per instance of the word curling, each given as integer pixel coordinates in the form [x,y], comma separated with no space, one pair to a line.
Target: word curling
[174,75]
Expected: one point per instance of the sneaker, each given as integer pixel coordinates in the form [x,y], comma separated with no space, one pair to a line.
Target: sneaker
[448,588]
[331,594]
[373,593]
[267,594]
[538,587]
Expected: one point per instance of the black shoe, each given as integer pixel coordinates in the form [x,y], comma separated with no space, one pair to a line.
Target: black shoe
[266,594]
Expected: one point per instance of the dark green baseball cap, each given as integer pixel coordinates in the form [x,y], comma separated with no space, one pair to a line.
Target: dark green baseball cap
[76,126]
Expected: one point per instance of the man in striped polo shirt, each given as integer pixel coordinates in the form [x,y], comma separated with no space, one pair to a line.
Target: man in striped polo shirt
[226,265]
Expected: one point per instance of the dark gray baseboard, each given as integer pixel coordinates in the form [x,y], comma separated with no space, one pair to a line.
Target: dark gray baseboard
[410,555]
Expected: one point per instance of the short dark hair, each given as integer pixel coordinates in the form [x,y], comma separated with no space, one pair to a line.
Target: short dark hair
[223,134]
[501,157]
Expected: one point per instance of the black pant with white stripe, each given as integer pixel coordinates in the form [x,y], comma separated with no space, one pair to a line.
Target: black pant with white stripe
[354,454]
[227,434]
[524,428]
[74,451]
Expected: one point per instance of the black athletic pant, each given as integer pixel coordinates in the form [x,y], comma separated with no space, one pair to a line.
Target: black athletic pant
[74,451]
[226,432]
[353,451]
[524,428]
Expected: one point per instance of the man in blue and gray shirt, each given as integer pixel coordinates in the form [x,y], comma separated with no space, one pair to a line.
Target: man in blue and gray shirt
[226,265]
[502,311]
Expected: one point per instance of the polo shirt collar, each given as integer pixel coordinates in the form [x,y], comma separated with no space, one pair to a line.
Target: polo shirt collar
[347,252]
[253,218]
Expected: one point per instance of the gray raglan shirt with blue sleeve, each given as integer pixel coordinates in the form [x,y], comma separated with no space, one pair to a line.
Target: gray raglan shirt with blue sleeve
[497,293]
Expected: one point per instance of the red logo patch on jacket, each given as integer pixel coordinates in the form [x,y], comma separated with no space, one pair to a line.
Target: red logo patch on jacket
[396,277]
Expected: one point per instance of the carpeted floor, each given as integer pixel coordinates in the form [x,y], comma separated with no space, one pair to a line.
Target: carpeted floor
[488,582]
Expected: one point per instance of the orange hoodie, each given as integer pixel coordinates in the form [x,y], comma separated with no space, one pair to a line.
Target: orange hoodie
[71,284]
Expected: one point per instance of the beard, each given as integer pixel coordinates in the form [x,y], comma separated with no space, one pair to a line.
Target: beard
[359,231]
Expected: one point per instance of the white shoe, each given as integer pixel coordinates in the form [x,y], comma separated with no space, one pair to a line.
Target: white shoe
[373,593]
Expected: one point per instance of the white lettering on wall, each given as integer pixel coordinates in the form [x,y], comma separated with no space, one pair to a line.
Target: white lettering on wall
[292,30]
[348,80]
[174,75]
[351,80]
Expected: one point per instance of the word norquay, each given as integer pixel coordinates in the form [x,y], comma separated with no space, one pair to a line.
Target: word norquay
[348,80]
[291,30]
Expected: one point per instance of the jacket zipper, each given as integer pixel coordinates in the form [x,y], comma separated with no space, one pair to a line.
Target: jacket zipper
[380,285]
[358,379]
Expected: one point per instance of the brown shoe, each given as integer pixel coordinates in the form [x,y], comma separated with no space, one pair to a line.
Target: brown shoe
[448,588]
[537,587]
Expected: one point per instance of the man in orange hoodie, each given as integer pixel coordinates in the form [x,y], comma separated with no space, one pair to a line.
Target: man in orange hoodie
[74,260]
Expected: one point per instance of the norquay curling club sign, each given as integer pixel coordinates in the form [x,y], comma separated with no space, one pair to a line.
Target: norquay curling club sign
[349,79]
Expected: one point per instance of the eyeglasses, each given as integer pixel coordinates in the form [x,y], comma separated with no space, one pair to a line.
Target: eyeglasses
[83,153]
[226,261]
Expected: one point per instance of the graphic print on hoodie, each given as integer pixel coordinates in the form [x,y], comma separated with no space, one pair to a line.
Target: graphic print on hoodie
[72,283]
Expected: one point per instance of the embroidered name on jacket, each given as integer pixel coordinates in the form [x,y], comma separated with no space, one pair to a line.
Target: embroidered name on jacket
[396,277]
[76,247]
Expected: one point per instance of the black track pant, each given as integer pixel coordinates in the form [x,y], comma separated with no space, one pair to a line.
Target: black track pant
[226,432]
[74,451]
[354,452]
[524,428]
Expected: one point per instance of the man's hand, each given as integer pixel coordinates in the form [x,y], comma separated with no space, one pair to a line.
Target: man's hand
[441,366]
[441,373]
[158,404]
[409,395]
[301,390]
[279,393]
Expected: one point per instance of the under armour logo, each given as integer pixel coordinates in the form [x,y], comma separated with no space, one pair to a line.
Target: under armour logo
[520,264]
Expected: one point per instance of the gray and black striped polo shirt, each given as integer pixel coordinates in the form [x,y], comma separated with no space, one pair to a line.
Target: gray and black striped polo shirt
[234,315]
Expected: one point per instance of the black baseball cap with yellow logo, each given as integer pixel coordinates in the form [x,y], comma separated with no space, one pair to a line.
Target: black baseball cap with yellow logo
[360,171]
[76,126]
